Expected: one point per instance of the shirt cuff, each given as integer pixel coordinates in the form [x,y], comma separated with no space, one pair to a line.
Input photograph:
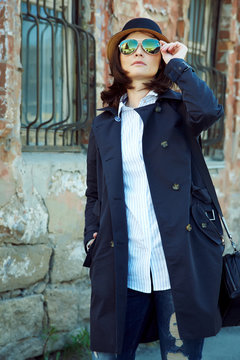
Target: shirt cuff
[175,67]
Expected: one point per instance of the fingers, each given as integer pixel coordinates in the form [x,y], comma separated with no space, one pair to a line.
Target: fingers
[90,242]
[172,47]
[172,50]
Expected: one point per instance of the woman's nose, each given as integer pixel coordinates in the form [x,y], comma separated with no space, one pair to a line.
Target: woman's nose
[139,50]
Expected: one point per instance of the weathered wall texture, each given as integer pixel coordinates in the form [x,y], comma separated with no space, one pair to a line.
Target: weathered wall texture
[42,282]
[228,179]
[41,252]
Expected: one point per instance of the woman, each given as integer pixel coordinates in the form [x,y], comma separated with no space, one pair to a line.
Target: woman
[152,236]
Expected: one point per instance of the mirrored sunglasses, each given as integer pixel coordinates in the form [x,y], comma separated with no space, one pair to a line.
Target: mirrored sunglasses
[129,46]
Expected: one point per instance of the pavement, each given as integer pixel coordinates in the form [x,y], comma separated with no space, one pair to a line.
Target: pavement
[224,346]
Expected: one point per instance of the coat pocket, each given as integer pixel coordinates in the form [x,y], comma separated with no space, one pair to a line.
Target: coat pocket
[201,194]
[88,258]
[201,215]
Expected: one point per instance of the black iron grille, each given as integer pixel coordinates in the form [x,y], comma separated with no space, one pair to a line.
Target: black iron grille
[202,43]
[58,81]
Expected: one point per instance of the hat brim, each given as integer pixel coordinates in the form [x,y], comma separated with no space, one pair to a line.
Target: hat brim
[115,39]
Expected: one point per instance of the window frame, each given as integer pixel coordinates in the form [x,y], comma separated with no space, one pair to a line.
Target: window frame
[78,95]
[202,56]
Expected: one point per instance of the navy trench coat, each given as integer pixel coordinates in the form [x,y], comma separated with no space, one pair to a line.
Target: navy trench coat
[191,237]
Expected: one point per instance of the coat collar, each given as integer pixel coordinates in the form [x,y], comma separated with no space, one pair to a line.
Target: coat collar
[169,94]
[107,129]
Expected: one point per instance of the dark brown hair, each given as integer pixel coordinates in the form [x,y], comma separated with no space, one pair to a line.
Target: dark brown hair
[121,82]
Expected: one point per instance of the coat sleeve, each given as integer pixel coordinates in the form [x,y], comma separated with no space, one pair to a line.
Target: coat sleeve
[201,106]
[91,219]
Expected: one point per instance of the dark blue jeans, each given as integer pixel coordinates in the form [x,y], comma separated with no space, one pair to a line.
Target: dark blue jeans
[171,346]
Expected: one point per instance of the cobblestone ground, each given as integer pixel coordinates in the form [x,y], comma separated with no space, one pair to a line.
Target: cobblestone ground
[224,346]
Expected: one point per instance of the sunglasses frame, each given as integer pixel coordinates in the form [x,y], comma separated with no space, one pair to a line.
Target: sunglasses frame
[139,43]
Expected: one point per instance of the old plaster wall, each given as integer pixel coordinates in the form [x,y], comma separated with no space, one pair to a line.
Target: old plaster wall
[227,179]
[42,282]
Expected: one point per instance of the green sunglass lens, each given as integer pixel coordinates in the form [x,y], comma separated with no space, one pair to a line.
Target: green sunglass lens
[128,46]
[152,46]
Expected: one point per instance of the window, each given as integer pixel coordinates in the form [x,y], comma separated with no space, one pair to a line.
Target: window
[203,30]
[58,81]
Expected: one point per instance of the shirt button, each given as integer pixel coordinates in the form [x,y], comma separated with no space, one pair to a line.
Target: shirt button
[164,144]
[111,243]
[204,225]
[189,227]
[158,108]
[175,186]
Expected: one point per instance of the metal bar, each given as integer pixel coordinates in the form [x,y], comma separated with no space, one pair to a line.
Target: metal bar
[37,70]
[62,22]
[53,75]
[202,49]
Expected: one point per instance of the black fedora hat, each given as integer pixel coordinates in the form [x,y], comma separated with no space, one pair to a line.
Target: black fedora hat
[136,24]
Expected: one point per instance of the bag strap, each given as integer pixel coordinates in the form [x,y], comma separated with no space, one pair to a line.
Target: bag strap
[200,161]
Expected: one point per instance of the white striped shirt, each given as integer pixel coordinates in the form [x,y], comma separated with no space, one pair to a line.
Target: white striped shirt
[146,256]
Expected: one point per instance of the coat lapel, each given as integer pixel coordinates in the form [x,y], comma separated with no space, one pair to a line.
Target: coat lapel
[108,137]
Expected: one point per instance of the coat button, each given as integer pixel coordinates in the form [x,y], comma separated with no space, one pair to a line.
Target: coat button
[158,108]
[164,144]
[111,243]
[189,227]
[175,186]
[204,225]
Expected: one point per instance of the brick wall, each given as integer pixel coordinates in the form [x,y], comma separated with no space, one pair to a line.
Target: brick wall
[228,55]
[10,92]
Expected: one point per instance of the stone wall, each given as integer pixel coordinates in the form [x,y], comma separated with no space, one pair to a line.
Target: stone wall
[42,281]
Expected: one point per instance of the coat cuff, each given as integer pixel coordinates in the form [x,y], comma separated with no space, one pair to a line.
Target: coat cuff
[175,68]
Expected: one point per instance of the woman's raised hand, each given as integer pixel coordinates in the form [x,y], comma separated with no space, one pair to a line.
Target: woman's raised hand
[173,50]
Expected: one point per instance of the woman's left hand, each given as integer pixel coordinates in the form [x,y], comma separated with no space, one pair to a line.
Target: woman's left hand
[173,50]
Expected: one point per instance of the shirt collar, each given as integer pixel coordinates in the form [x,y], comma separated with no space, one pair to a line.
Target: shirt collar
[122,103]
[123,100]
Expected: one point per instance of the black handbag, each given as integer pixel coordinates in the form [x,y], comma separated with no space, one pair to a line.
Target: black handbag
[229,297]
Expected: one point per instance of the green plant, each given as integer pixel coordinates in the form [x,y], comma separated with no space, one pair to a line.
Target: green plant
[80,345]
[58,355]
[49,335]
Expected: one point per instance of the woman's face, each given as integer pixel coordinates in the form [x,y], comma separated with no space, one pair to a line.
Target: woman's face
[140,65]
